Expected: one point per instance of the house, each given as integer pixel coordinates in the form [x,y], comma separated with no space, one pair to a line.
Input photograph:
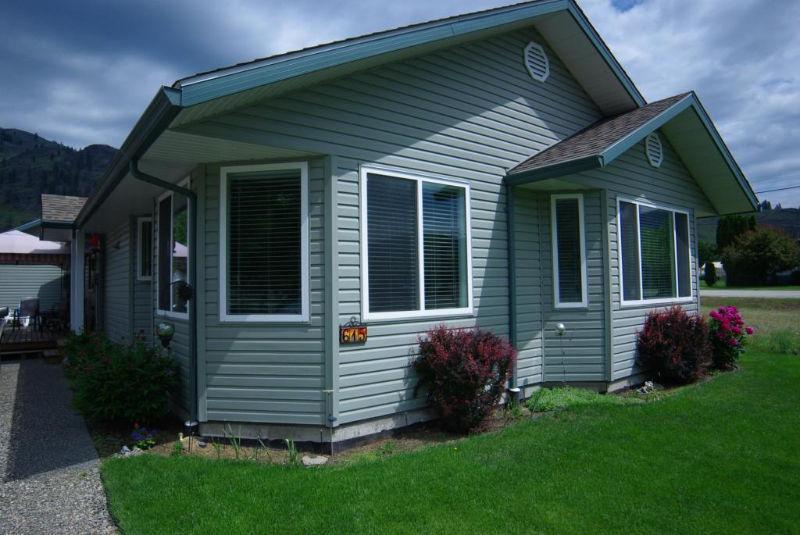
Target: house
[30,267]
[497,169]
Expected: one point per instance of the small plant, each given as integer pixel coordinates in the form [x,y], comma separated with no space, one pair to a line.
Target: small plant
[566,397]
[387,448]
[262,446]
[728,335]
[235,440]
[143,438]
[217,448]
[294,455]
[513,410]
[465,372]
[674,346]
[710,274]
[177,448]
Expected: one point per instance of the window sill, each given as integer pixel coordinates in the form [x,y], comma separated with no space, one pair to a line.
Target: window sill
[657,302]
[172,315]
[406,317]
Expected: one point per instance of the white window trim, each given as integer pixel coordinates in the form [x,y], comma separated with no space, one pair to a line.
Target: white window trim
[139,224]
[304,245]
[170,313]
[661,301]
[366,315]
[554,241]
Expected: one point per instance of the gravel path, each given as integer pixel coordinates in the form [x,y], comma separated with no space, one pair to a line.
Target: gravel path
[763,294]
[49,470]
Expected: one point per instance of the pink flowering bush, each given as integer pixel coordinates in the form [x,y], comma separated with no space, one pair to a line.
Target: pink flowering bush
[728,334]
[465,372]
[673,346]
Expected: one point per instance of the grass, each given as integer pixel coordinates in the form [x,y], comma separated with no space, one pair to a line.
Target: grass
[718,456]
[720,285]
[567,397]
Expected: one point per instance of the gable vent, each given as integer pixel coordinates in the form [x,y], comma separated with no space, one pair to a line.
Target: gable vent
[536,61]
[654,150]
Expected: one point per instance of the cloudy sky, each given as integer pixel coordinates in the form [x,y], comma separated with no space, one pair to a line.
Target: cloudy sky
[82,72]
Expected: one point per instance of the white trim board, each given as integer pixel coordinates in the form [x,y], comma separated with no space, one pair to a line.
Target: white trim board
[584,302]
[304,315]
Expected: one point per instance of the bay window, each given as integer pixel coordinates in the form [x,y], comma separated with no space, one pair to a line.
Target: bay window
[654,253]
[416,251]
[264,242]
[569,251]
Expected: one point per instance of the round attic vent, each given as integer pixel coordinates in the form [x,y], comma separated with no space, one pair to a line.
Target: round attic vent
[536,61]
[654,150]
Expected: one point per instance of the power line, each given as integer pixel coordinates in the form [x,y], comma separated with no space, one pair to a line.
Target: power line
[778,189]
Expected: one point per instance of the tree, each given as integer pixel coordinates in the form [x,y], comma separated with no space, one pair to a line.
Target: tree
[764,206]
[731,227]
[706,252]
[757,255]
[710,274]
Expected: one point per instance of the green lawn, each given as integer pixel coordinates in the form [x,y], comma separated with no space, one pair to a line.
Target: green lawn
[720,285]
[720,456]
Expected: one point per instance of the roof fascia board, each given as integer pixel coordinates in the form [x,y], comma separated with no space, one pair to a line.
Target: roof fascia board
[284,68]
[605,52]
[562,169]
[620,146]
[156,118]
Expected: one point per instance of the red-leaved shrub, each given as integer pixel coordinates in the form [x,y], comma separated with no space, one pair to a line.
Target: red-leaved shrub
[465,371]
[674,346]
[728,334]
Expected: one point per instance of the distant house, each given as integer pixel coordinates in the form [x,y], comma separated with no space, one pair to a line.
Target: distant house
[29,268]
[497,169]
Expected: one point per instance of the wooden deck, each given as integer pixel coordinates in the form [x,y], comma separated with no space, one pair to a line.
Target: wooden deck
[26,340]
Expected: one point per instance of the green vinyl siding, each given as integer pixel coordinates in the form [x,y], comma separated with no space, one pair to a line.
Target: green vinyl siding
[116,286]
[467,113]
[18,282]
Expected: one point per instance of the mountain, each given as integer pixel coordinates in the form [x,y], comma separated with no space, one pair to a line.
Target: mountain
[31,165]
[786,219]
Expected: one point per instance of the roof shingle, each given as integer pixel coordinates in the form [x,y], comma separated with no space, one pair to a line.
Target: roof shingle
[61,208]
[593,140]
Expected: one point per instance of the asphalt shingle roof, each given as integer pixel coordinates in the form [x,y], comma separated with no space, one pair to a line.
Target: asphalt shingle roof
[61,208]
[593,140]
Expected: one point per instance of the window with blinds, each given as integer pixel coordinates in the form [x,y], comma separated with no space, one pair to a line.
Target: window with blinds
[144,250]
[655,253]
[569,262]
[265,242]
[417,250]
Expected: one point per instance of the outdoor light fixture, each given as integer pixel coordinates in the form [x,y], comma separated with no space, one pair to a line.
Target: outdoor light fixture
[165,332]
[561,330]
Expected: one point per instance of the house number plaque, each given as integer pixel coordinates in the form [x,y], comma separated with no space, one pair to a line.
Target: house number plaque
[352,332]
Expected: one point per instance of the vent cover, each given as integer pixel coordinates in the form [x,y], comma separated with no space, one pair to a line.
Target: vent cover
[654,150]
[536,61]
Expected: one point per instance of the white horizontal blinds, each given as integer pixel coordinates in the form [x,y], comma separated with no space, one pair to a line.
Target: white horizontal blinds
[568,245]
[658,264]
[682,254]
[629,251]
[445,247]
[392,243]
[180,251]
[164,252]
[264,242]
[145,249]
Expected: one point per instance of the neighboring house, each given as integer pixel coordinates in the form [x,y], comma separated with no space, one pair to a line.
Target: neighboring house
[496,169]
[29,268]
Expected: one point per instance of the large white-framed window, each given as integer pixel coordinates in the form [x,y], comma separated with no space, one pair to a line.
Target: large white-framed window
[172,258]
[144,248]
[654,253]
[264,243]
[416,251]
[569,251]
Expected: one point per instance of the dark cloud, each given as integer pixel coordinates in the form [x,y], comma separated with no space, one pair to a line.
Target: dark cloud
[82,72]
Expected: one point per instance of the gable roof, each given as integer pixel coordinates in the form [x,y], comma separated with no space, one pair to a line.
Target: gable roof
[683,121]
[60,208]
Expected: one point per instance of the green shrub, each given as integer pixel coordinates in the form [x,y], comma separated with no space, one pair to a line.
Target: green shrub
[112,383]
[757,255]
[710,274]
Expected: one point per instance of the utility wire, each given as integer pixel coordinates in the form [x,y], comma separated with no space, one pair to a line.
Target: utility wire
[778,189]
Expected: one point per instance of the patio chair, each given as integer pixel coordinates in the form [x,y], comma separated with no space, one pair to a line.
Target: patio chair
[28,308]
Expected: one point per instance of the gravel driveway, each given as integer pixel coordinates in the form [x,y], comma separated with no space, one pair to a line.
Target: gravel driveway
[49,470]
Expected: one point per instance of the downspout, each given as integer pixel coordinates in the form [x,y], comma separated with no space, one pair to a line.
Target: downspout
[192,198]
[513,389]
